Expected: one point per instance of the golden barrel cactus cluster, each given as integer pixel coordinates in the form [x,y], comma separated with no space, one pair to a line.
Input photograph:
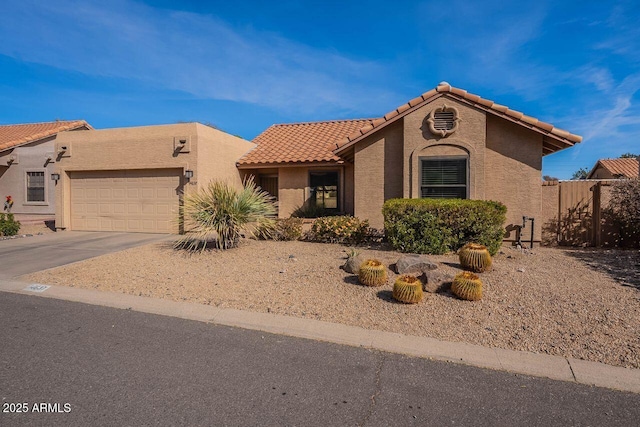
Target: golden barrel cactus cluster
[475,257]
[467,286]
[408,289]
[372,273]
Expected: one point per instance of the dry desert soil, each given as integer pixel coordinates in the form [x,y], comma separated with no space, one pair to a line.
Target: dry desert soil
[580,303]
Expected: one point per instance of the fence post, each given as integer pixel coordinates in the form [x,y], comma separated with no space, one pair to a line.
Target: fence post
[597,215]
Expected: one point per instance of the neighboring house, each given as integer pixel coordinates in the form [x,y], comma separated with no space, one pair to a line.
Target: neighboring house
[27,159]
[133,179]
[444,143]
[615,169]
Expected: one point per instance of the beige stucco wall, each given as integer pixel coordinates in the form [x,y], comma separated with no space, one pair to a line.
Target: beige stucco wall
[601,173]
[549,215]
[387,163]
[368,167]
[148,147]
[468,139]
[293,185]
[217,155]
[348,188]
[292,189]
[504,162]
[513,173]
[13,178]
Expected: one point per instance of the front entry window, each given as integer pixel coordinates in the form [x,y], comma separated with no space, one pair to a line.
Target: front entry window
[324,189]
[444,178]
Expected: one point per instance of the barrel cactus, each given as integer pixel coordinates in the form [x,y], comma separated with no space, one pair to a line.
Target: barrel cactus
[467,285]
[407,289]
[372,273]
[475,257]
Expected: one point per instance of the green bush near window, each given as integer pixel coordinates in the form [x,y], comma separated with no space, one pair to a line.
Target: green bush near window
[438,226]
[339,229]
[8,225]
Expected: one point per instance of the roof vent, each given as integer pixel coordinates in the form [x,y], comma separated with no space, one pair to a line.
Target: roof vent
[443,120]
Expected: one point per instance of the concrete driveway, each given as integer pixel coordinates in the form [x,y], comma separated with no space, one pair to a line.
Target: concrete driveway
[31,254]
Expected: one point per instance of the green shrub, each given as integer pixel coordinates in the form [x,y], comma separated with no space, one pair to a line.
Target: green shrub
[309,210]
[281,229]
[219,213]
[625,209]
[8,225]
[438,226]
[339,229]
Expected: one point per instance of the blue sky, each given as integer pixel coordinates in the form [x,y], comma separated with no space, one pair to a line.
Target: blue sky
[245,65]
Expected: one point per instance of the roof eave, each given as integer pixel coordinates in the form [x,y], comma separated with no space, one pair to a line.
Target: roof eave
[289,164]
[41,137]
[567,143]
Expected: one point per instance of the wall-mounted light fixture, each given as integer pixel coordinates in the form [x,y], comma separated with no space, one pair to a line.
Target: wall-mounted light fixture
[188,174]
[55,177]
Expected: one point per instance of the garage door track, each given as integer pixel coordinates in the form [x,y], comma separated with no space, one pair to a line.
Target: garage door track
[37,253]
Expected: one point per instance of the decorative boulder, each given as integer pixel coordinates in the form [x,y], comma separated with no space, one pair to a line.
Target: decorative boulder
[353,264]
[434,280]
[414,264]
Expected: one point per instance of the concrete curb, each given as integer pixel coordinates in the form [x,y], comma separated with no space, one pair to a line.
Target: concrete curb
[538,365]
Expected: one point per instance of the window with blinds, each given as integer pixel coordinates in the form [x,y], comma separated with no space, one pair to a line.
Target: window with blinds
[444,178]
[35,187]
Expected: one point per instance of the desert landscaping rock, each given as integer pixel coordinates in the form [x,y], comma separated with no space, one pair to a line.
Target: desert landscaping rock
[436,280]
[414,264]
[353,264]
[562,306]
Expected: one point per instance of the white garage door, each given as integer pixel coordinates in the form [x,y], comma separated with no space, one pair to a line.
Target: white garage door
[144,201]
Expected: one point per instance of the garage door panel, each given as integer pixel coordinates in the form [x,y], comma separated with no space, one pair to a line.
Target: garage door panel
[137,201]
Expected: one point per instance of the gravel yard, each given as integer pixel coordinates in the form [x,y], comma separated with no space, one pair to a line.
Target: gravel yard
[569,302]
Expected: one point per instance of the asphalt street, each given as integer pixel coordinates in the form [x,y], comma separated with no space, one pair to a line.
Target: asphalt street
[67,363]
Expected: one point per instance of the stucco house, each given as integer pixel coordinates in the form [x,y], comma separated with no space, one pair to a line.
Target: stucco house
[444,143]
[27,159]
[615,169]
[133,179]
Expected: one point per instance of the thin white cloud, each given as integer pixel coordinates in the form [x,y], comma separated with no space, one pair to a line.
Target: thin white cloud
[198,54]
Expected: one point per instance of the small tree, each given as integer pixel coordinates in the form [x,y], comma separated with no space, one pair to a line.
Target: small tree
[625,207]
[549,178]
[629,156]
[219,213]
[580,174]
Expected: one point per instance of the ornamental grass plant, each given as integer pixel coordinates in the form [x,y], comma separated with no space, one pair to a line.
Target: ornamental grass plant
[219,213]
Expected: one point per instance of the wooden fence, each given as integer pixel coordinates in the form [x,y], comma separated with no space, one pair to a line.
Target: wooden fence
[574,213]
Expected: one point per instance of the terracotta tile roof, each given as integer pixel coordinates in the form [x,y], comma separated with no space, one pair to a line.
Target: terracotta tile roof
[300,142]
[562,138]
[15,135]
[627,168]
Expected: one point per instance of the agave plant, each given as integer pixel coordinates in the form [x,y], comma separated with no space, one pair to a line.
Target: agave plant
[218,213]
